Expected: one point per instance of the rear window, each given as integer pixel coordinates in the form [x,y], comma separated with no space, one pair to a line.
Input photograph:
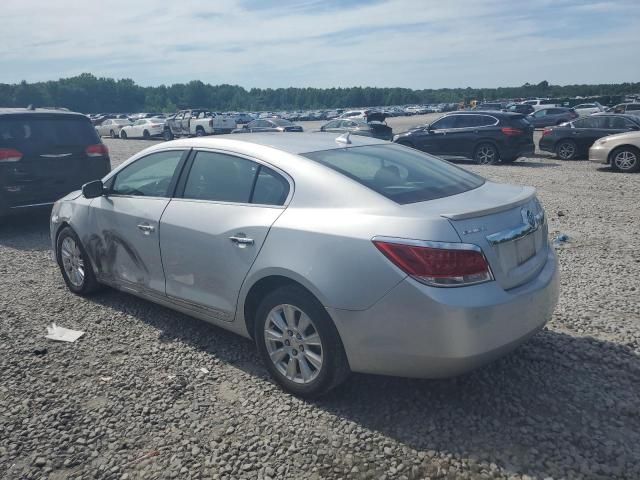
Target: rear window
[399,173]
[28,133]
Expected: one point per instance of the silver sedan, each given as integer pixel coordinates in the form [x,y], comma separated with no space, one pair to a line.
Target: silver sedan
[335,255]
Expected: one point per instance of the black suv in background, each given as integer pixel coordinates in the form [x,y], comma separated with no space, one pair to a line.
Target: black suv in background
[46,154]
[484,136]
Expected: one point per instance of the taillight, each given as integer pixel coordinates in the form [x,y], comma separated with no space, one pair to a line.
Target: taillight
[98,150]
[512,132]
[435,263]
[10,155]
[546,131]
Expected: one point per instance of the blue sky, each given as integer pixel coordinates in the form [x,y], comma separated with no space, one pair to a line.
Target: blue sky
[324,43]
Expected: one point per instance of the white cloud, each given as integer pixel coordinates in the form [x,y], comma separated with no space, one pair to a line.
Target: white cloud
[426,44]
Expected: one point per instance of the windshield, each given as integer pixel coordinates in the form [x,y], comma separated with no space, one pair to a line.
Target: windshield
[399,173]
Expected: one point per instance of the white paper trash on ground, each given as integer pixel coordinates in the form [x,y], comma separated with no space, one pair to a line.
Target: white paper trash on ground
[61,334]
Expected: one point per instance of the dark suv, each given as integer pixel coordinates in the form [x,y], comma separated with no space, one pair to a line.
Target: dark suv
[46,154]
[485,136]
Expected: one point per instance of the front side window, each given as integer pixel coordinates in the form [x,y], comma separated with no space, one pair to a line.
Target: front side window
[444,122]
[400,174]
[540,113]
[634,107]
[149,176]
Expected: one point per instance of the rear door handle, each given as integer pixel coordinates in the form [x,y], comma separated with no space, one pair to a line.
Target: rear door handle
[241,241]
[146,228]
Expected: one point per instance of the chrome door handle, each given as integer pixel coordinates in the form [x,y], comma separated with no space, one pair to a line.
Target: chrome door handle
[241,240]
[146,228]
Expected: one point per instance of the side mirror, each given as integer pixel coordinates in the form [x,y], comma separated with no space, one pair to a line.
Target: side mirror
[93,189]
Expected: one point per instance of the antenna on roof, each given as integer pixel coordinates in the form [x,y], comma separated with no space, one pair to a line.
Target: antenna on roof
[344,138]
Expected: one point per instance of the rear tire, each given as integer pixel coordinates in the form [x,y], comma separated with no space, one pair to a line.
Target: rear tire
[566,149]
[281,340]
[74,263]
[486,154]
[113,134]
[625,159]
[146,135]
[123,135]
[167,135]
[199,132]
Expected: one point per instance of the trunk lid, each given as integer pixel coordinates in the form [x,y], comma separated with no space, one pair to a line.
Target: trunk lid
[507,222]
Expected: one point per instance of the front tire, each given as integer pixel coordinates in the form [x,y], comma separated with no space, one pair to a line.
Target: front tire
[123,135]
[625,159]
[167,135]
[146,135]
[112,134]
[299,343]
[566,150]
[74,263]
[486,154]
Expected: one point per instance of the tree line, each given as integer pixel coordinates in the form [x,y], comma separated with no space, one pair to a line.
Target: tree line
[90,94]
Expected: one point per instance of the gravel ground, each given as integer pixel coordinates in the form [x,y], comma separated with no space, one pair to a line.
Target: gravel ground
[128,400]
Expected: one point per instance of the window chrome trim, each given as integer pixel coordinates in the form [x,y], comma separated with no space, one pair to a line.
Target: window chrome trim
[526,228]
[497,121]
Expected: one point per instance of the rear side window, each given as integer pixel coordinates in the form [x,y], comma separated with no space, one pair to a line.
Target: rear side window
[31,134]
[226,178]
[220,177]
[270,188]
[398,173]
[633,107]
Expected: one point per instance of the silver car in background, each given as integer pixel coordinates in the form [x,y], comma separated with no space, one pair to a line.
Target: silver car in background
[334,254]
[112,126]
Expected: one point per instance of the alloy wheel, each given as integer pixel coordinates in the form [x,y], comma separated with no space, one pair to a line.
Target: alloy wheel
[566,150]
[293,343]
[72,262]
[625,160]
[486,155]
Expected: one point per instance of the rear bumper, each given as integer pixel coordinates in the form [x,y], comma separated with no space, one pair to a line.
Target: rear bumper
[547,144]
[599,154]
[519,150]
[421,331]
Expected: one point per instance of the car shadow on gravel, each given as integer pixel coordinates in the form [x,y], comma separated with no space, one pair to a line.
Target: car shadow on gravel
[558,402]
[29,231]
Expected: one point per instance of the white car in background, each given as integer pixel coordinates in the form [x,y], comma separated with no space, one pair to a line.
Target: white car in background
[111,127]
[143,128]
[585,109]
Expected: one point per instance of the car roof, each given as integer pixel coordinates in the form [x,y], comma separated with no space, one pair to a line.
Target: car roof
[486,112]
[36,111]
[290,142]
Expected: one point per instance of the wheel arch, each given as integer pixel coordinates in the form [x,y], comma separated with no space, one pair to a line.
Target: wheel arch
[250,301]
[616,149]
